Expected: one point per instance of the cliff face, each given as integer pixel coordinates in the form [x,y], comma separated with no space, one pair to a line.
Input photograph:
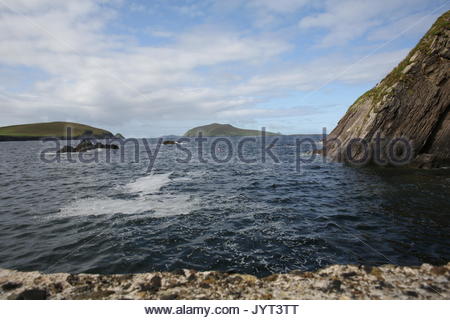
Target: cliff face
[412,102]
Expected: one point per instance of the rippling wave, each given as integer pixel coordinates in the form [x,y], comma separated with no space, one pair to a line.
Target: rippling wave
[256,218]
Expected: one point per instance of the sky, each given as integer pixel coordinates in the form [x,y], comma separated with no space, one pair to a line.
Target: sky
[160,67]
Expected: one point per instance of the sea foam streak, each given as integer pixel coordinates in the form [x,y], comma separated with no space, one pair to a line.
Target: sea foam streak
[149,184]
[160,205]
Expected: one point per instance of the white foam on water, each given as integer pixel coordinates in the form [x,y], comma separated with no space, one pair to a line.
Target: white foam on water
[65,154]
[155,205]
[95,206]
[149,184]
[191,176]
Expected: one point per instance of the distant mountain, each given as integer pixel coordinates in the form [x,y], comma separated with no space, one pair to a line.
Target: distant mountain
[224,130]
[36,131]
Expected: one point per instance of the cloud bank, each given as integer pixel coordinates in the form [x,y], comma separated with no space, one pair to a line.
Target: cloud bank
[121,65]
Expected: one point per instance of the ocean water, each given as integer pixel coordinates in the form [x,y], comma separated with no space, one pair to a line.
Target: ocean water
[114,216]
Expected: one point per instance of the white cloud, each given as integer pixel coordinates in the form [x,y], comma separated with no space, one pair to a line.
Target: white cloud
[90,73]
[203,73]
[322,71]
[136,7]
[278,6]
[160,33]
[346,20]
[407,26]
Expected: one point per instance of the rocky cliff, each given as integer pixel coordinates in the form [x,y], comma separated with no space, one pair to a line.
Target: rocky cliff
[411,103]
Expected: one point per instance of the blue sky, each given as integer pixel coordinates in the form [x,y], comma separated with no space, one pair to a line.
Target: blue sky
[151,68]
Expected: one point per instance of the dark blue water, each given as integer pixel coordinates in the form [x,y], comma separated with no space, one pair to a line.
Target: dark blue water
[260,218]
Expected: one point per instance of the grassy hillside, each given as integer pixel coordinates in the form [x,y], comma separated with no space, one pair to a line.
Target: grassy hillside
[51,129]
[225,130]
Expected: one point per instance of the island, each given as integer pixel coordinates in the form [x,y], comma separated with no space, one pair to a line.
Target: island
[224,130]
[38,131]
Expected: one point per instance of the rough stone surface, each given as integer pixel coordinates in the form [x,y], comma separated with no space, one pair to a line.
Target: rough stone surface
[412,102]
[334,282]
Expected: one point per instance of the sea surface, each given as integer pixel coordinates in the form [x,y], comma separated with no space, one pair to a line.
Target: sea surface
[114,215]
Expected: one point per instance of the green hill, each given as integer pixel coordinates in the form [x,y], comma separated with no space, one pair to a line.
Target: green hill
[36,131]
[224,130]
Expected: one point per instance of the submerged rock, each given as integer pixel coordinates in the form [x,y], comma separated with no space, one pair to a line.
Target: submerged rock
[333,282]
[412,103]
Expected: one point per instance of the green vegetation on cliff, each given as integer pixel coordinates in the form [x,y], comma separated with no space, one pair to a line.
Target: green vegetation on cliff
[50,129]
[224,130]
[398,74]
[411,102]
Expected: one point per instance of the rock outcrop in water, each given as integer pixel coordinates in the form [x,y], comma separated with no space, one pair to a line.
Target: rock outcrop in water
[334,282]
[412,102]
[87,145]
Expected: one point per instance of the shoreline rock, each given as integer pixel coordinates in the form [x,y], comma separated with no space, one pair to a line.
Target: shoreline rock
[333,282]
[87,145]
